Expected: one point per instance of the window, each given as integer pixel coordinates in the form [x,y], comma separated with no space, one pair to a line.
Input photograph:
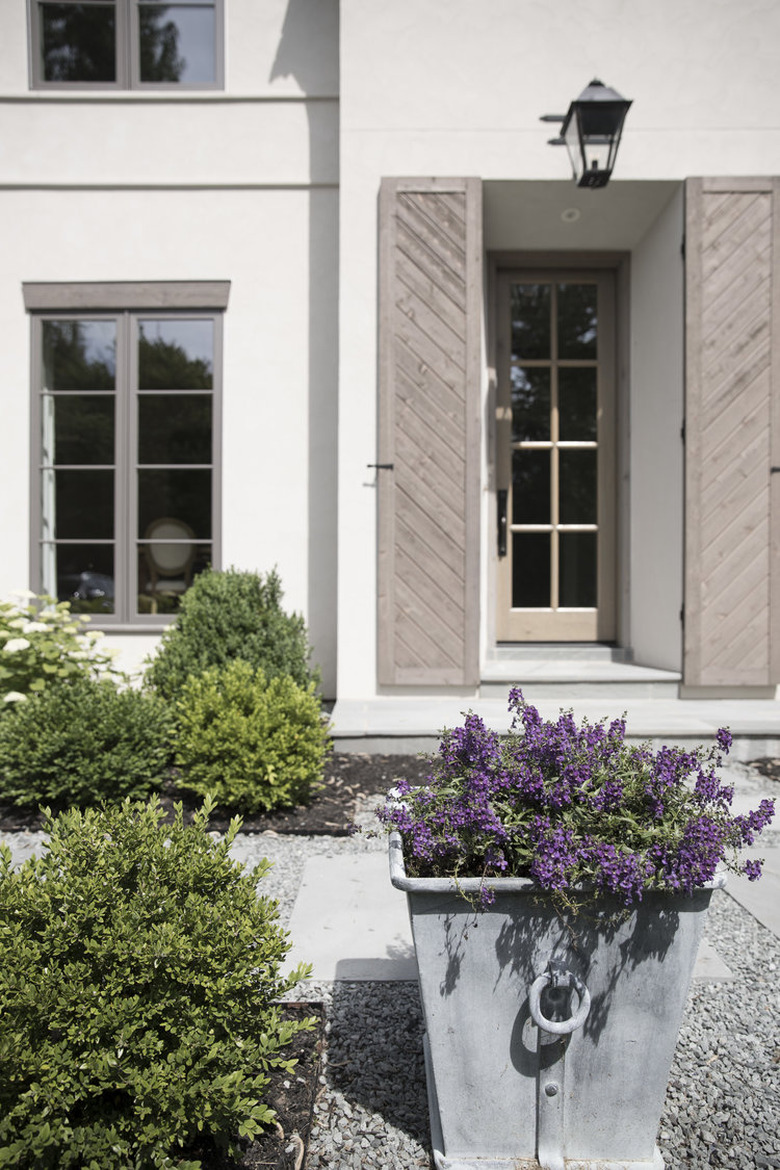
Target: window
[126,44]
[126,437]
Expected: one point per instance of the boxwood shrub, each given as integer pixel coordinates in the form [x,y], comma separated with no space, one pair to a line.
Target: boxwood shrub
[252,742]
[225,616]
[138,1020]
[83,742]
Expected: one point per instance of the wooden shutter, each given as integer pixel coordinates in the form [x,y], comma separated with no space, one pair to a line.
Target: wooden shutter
[732,577]
[430,322]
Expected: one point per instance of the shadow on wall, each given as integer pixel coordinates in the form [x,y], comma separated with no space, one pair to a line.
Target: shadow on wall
[308,50]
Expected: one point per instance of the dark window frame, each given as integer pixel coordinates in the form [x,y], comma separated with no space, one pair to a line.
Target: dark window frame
[126,304]
[127,49]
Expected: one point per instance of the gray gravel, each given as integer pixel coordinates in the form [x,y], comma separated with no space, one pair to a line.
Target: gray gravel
[722,1106]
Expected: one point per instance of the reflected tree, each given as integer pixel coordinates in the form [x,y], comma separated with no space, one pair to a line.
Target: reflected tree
[159,44]
[79,42]
[164,365]
[74,359]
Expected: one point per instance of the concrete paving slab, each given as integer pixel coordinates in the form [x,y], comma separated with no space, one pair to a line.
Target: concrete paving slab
[761,898]
[351,924]
[413,723]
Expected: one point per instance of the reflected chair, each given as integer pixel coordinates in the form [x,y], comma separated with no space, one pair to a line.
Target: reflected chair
[169,564]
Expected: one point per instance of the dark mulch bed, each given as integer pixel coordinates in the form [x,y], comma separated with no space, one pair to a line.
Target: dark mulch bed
[283,1146]
[348,776]
[768,766]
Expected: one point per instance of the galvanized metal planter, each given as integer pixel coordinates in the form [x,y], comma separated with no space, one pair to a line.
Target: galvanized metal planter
[549,1038]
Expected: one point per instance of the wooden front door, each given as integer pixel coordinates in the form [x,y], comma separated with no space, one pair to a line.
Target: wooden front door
[555,456]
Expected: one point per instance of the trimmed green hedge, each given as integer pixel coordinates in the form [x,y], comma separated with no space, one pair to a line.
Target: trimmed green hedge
[137,1015]
[225,616]
[83,742]
[253,743]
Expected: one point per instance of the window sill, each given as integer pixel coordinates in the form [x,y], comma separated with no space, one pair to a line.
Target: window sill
[130,628]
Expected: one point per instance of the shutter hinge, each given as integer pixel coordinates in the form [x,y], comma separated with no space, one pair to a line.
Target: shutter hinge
[682,247]
[682,614]
[682,432]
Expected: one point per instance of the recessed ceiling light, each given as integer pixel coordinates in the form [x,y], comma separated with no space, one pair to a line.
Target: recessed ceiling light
[570,215]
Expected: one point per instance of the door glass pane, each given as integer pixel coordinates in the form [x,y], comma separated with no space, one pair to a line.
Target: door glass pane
[530,308]
[177,43]
[179,495]
[175,355]
[83,428]
[174,428]
[531,487]
[79,355]
[78,42]
[530,404]
[577,320]
[78,505]
[577,559]
[577,404]
[82,574]
[530,570]
[578,486]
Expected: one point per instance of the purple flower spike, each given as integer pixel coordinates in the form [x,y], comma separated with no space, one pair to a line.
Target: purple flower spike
[724,739]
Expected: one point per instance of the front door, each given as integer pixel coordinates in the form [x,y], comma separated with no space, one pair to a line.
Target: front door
[555,458]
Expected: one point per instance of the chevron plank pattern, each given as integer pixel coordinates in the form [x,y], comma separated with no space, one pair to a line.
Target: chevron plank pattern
[423,560]
[734,433]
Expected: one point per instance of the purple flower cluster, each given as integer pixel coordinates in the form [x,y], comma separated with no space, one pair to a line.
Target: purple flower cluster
[573,807]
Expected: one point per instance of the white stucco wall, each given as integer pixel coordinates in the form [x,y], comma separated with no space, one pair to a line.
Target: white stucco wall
[239,186]
[464,97]
[656,448]
[244,186]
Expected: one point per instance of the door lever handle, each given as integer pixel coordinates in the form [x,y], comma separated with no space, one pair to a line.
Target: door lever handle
[501,500]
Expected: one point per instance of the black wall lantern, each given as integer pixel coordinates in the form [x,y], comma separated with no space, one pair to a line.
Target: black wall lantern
[591,133]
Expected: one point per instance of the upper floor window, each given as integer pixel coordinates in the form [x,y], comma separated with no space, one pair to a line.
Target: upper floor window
[126,44]
[126,422]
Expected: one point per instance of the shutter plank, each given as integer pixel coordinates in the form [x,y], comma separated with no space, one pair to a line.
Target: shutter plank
[732,358]
[428,578]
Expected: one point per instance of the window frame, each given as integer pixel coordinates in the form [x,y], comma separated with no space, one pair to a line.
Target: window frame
[127,48]
[126,304]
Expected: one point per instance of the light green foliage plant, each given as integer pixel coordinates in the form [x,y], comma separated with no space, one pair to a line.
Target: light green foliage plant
[42,643]
[254,743]
[138,1020]
[225,616]
[83,743]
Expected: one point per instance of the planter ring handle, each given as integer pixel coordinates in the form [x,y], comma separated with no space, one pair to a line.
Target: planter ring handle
[558,977]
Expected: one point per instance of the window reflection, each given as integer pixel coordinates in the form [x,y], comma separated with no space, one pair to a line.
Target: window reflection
[530,390]
[80,504]
[530,309]
[185,495]
[83,428]
[177,43]
[577,320]
[577,559]
[577,486]
[175,355]
[78,42]
[531,487]
[530,570]
[82,574]
[79,355]
[174,428]
[577,404]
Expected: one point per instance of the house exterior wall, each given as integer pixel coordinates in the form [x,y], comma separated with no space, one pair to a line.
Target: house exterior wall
[656,450]
[273,185]
[464,99]
[239,185]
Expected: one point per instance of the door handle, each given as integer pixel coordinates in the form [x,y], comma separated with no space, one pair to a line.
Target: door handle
[501,500]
